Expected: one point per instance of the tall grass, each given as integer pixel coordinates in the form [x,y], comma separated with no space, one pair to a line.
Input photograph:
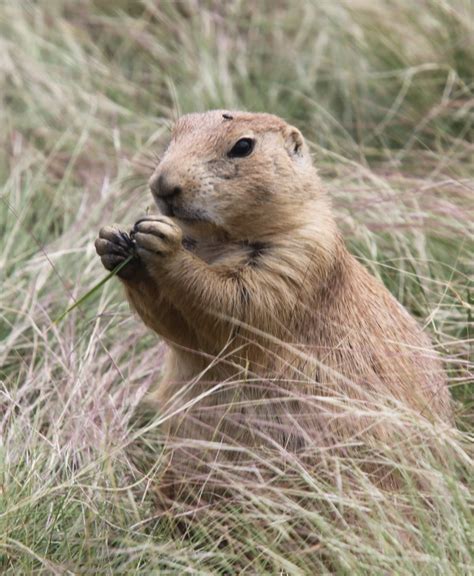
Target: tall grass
[384,92]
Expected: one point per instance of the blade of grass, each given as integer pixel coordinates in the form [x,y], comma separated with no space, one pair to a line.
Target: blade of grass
[93,290]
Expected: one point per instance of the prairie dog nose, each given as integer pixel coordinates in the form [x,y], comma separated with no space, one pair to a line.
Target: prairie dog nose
[164,185]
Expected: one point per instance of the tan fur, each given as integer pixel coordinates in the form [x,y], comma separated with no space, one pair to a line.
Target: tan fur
[263,300]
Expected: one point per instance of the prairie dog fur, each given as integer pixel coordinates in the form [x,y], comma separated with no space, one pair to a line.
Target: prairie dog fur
[245,275]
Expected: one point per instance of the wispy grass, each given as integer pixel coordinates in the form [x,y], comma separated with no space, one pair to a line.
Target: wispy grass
[384,93]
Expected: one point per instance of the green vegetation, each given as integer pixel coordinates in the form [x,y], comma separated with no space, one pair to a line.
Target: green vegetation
[384,92]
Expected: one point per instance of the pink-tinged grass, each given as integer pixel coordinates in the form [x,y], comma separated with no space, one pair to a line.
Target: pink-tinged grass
[384,93]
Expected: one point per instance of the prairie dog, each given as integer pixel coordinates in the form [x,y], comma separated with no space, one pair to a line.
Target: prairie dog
[247,278]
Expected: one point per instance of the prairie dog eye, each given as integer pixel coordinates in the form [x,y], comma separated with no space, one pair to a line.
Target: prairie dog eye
[241,148]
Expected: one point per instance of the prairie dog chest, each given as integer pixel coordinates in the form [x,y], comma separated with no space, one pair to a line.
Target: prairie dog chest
[234,255]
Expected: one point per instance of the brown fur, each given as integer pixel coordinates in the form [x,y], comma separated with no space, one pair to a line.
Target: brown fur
[263,301]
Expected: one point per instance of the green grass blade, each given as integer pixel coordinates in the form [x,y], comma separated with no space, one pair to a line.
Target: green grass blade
[94,289]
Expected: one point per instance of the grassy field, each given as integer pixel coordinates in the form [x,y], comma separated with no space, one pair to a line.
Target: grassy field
[384,93]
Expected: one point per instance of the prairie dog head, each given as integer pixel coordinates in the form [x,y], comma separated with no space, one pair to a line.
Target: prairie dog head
[246,174]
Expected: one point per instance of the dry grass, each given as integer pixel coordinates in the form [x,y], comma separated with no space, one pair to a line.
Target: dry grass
[384,93]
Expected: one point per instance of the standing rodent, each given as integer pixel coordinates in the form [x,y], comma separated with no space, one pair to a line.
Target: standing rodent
[246,277]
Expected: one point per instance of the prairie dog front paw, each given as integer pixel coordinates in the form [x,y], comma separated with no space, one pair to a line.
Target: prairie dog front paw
[156,236]
[114,246]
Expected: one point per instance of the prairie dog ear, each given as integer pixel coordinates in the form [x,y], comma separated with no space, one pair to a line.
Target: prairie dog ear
[294,142]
